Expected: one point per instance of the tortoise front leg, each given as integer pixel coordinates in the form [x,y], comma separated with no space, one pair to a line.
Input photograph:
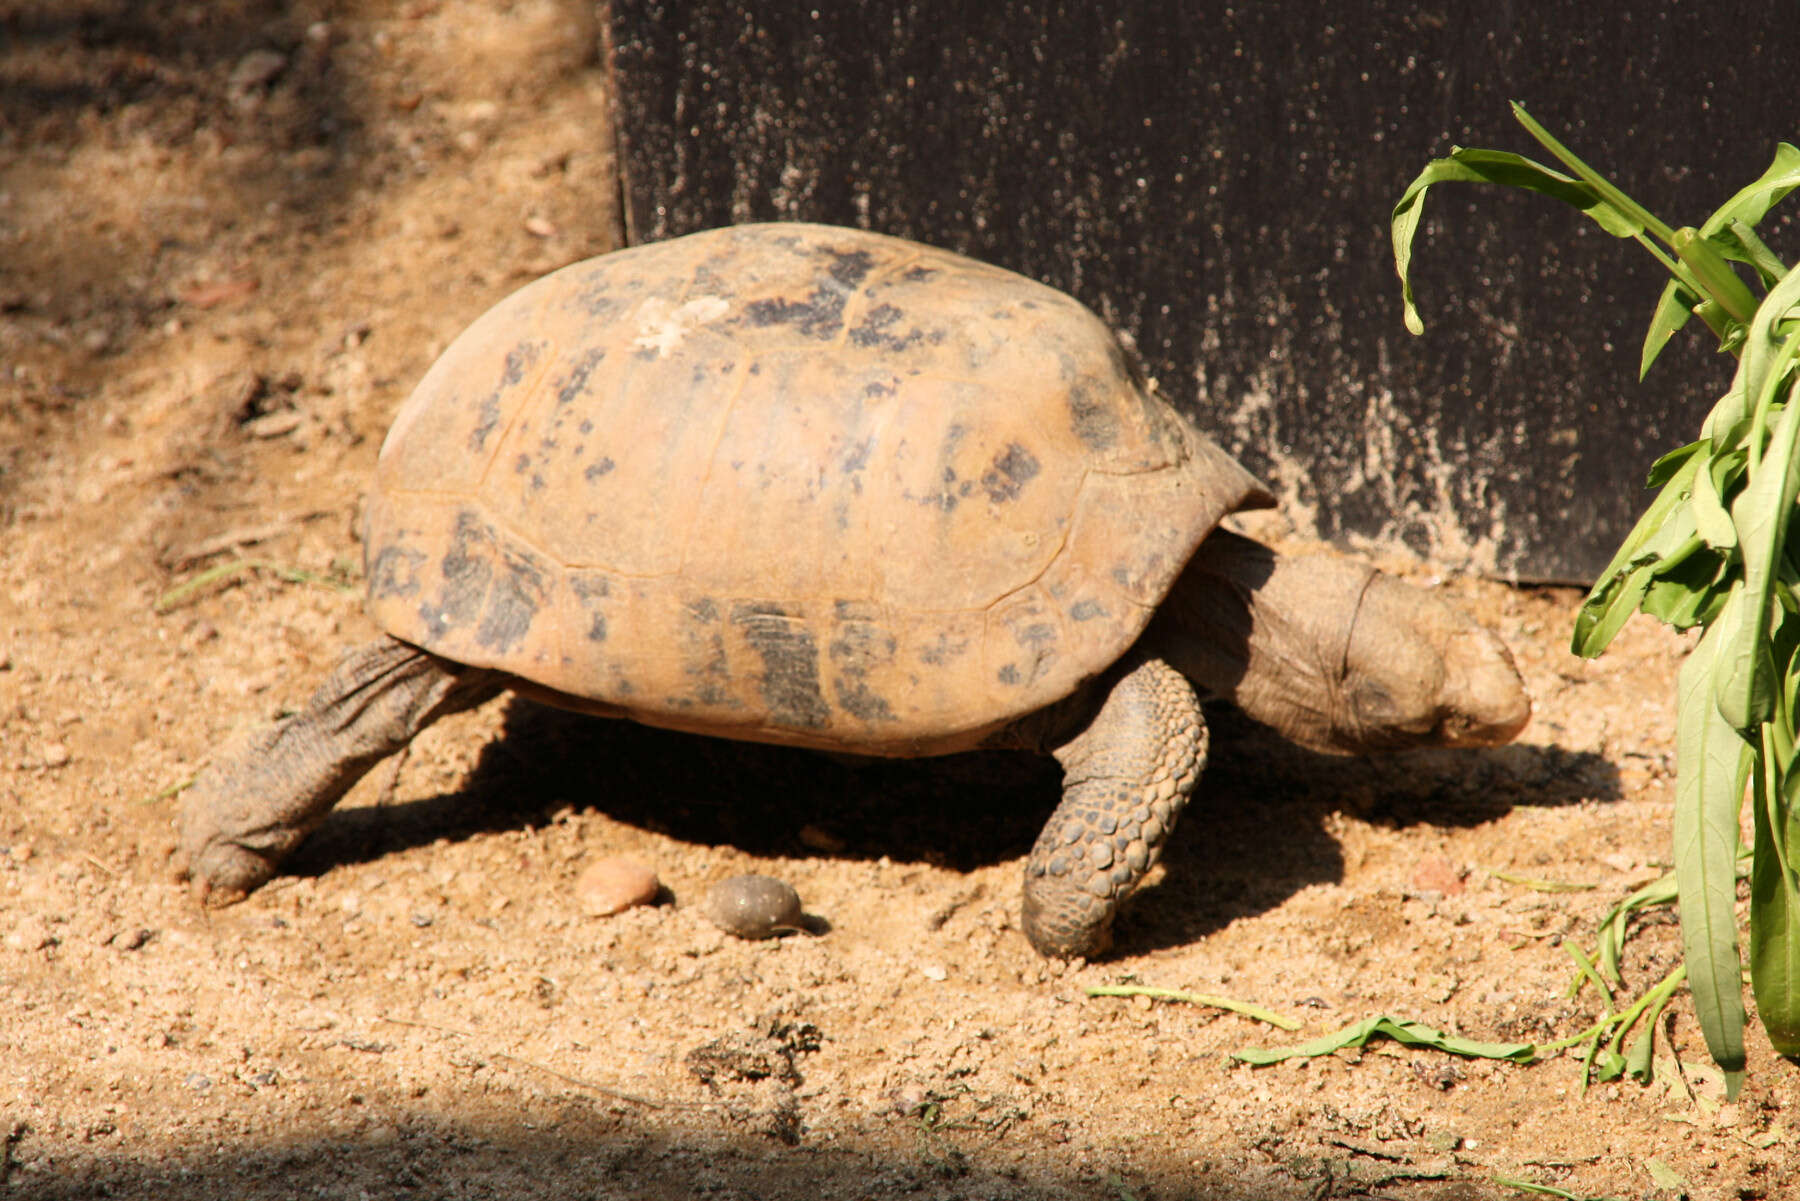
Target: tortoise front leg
[1125,778]
[257,801]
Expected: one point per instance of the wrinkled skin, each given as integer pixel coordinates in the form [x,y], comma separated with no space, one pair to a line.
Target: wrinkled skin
[1335,655]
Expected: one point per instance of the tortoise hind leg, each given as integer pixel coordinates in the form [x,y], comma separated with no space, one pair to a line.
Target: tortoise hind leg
[256,802]
[1126,777]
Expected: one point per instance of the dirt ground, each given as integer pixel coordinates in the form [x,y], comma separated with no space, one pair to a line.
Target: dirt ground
[232,235]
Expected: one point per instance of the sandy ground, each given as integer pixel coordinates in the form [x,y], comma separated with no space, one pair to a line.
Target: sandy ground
[232,235]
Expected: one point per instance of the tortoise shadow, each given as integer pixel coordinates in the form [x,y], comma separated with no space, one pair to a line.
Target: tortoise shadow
[1255,833]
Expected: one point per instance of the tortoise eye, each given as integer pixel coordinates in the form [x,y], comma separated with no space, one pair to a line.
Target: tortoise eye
[1374,705]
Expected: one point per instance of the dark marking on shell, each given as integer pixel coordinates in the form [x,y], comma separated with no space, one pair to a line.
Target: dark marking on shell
[522,464]
[945,499]
[1009,675]
[790,657]
[598,468]
[395,571]
[858,646]
[519,361]
[703,658]
[857,457]
[1087,610]
[850,268]
[1013,468]
[467,574]
[1094,421]
[943,650]
[506,601]
[874,331]
[590,591]
[597,299]
[820,315]
[518,594]
[586,426]
[919,274]
[575,383]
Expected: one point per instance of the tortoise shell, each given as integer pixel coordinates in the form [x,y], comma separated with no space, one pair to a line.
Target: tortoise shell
[789,483]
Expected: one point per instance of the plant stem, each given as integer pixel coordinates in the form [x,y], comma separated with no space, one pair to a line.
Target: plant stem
[1593,178]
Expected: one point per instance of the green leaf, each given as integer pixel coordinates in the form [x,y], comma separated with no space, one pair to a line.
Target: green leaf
[1711,761]
[1401,1030]
[1691,593]
[1619,589]
[1495,167]
[1538,884]
[1543,1190]
[1745,687]
[1663,1175]
[1728,421]
[1669,465]
[1739,242]
[1193,998]
[1714,273]
[1752,202]
[1613,927]
[1585,967]
[1712,520]
[1674,308]
[1775,921]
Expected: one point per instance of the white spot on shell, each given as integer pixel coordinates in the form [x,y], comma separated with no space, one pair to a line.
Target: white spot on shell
[662,328]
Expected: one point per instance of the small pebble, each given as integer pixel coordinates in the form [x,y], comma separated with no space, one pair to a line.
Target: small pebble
[1435,873]
[55,754]
[610,886]
[30,934]
[753,906]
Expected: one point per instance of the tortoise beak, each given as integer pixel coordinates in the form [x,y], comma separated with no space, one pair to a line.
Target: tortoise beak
[1484,700]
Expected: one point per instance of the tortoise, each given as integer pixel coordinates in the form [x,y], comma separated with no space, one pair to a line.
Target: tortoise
[820,487]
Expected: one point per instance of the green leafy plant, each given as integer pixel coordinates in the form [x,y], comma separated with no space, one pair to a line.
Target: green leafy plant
[1711,551]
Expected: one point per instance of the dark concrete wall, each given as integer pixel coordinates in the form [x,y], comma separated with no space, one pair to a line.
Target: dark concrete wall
[1216,180]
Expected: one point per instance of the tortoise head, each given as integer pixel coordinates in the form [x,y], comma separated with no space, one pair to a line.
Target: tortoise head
[1417,672]
[1336,655]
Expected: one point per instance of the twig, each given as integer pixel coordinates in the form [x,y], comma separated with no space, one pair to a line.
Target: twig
[164,794]
[236,539]
[633,1098]
[184,592]
[1193,998]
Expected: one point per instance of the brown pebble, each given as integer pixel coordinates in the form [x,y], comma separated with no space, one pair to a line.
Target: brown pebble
[1435,873]
[753,906]
[610,886]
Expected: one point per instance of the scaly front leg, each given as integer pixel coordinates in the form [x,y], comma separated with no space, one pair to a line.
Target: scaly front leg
[1126,777]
